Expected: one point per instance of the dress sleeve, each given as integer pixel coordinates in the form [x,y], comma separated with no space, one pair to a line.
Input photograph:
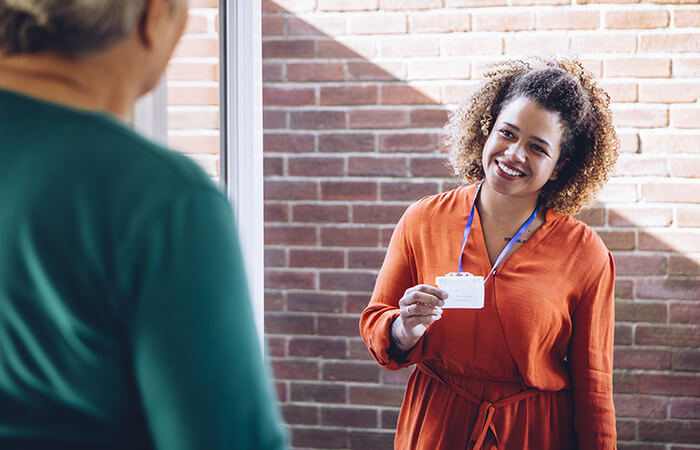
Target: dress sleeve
[591,362]
[197,362]
[397,274]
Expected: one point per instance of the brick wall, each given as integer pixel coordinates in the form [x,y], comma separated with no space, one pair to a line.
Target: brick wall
[355,94]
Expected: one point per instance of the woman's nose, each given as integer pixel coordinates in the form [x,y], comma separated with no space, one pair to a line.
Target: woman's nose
[516,151]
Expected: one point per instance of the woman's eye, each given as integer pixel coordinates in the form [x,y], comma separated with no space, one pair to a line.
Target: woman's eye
[506,133]
[537,148]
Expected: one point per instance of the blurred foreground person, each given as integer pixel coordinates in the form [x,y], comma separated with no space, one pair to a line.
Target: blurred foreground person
[125,321]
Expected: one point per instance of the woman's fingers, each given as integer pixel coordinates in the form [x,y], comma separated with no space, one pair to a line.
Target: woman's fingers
[420,309]
[423,293]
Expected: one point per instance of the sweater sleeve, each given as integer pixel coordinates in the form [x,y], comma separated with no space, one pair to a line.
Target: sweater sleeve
[397,274]
[196,357]
[591,362]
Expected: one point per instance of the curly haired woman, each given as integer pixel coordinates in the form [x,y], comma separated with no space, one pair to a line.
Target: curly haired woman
[532,367]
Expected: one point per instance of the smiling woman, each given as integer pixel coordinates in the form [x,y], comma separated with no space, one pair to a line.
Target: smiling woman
[530,366]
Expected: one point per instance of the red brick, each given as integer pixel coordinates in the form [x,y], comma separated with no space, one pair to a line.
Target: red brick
[371,439]
[683,116]
[289,369]
[300,414]
[670,240]
[623,334]
[470,45]
[407,191]
[640,406]
[365,71]
[672,288]
[275,346]
[290,190]
[670,142]
[376,396]
[503,21]
[192,71]
[690,168]
[640,216]
[379,118]
[629,141]
[673,335]
[284,6]
[669,431]
[197,46]
[640,67]
[290,235]
[276,212]
[685,408]
[285,323]
[316,166]
[636,264]
[624,382]
[349,417]
[341,325]
[317,120]
[408,46]
[592,216]
[626,311]
[315,301]
[273,301]
[346,48]
[371,23]
[316,258]
[567,19]
[272,25]
[348,190]
[430,167]
[274,119]
[684,264]
[618,240]
[349,95]
[439,22]
[389,214]
[670,43]
[640,116]
[281,389]
[686,67]
[344,5]
[288,143]
[193,118]
[288,49]
[315,25]
[315,72]
[357,348]
[390,417]
[194,144]
[671,192]
[365,259]
[409,95]
[386,236]
[272,72]
[355,142]
[289,279]
[635,19]
[275,257]
[351,371]
[356,236]
[668,92]
[320,213]
[618,191]
[193,95]
[319,437]
[678,385]
[356,303]
[428,118]
[546,43]
[620,91]
[411,4]
[634,358]
[345,281]
[376,166]
[317,347]
[474,3]
[686,17]
[686,360]
[408,142]
[626,429]
[438,69]
[685,312]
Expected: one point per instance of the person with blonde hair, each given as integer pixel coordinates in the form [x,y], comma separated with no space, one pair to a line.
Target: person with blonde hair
[502,300]
[125,320]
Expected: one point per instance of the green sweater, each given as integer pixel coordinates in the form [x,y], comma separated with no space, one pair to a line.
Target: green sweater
[125,321]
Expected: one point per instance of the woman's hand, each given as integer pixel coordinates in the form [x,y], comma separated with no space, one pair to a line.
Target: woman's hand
[420,306]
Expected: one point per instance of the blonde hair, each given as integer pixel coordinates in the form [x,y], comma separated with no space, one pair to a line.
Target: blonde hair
[69,27]
[589,145]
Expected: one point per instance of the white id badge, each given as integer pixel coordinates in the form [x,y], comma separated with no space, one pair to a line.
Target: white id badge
[464,290]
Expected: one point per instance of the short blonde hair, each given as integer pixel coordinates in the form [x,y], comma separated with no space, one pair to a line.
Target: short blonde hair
[69,27]
[589,145]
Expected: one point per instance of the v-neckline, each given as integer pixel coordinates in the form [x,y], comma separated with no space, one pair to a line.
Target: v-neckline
[536,237]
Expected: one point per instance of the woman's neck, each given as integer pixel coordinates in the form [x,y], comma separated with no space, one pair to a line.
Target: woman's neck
[505,210]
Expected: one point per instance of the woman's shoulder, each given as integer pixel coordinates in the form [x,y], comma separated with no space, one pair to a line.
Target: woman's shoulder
[577,238]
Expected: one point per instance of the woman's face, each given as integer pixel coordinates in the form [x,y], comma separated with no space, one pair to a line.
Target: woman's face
[521,152]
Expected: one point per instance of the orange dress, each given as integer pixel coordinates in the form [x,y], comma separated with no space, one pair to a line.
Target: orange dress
[532,370]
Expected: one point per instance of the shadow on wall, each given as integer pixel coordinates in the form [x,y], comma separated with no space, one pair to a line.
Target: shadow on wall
[349,143]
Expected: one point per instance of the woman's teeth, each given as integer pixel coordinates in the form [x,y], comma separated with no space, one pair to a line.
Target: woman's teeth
[512,173]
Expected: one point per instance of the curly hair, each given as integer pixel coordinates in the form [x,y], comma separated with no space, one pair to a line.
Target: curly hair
[589,144]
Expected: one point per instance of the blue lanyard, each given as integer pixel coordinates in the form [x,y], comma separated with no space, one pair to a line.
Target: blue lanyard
[510,245]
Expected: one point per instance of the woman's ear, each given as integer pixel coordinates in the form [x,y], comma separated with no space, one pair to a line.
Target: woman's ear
[560,165]
[153,17]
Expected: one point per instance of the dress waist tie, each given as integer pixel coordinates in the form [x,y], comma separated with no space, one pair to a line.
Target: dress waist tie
[484,421]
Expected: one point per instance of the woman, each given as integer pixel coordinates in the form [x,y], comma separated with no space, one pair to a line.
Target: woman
[125,322]
[532,369]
